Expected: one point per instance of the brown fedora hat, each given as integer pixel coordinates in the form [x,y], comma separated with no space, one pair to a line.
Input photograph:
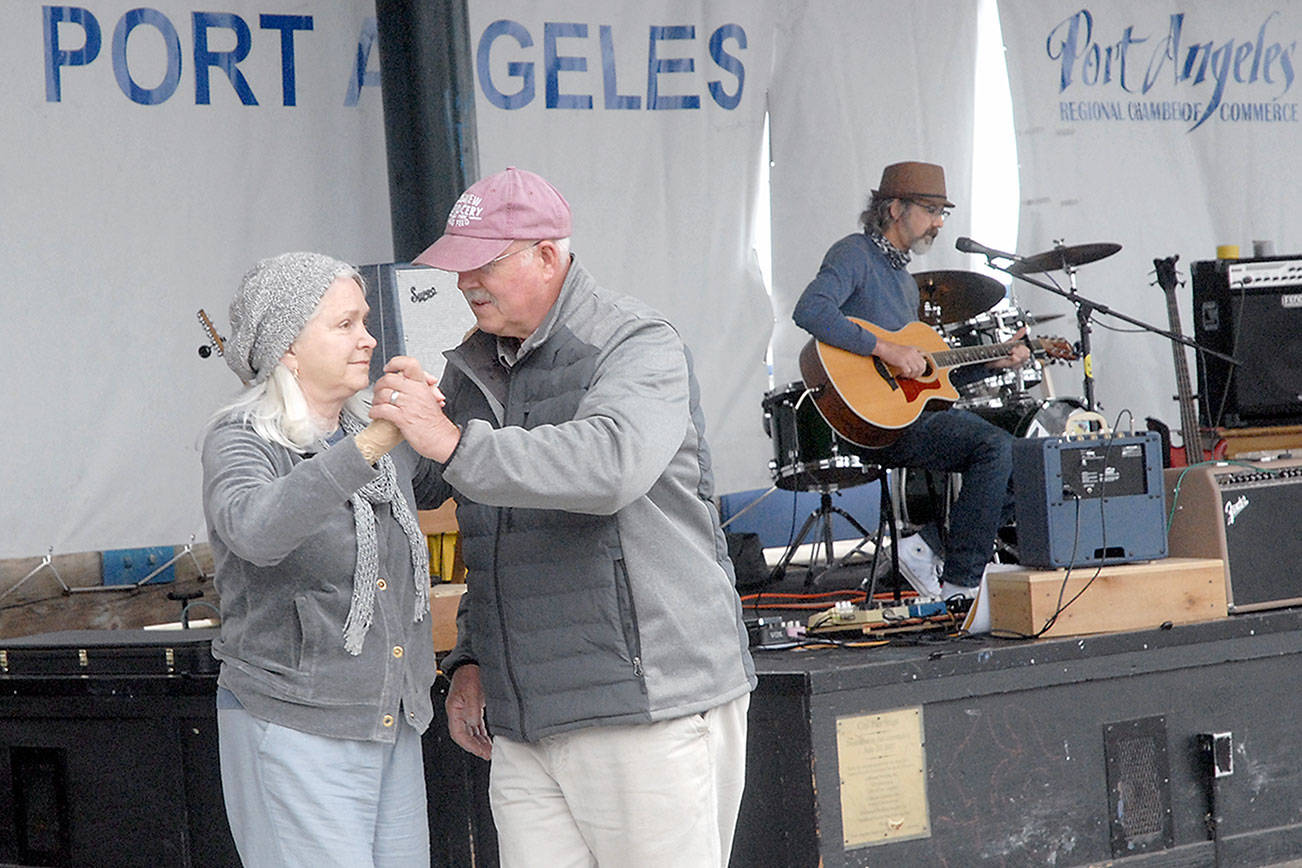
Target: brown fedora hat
[913,181]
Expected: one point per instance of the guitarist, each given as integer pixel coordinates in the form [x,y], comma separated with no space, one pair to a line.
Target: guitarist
[864,275]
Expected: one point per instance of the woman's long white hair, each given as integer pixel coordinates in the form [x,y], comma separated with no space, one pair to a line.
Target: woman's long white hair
[277,410]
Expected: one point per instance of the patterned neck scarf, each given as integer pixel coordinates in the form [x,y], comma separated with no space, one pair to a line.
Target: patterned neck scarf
[383,489]
[897,258]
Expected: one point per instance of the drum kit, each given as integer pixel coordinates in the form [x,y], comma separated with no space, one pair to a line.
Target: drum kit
[967,309]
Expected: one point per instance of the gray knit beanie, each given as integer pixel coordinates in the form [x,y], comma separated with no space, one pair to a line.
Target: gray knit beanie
[275,300]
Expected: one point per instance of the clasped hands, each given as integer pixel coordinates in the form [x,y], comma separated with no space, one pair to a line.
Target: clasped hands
[409,398]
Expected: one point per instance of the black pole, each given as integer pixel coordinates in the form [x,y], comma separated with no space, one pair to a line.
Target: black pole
[426,73]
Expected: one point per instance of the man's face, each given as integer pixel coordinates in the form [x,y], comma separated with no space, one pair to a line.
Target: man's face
[509,296]
[918,224]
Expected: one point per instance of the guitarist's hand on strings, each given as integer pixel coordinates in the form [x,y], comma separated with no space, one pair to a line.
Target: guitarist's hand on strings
[908,361]
[1017,357]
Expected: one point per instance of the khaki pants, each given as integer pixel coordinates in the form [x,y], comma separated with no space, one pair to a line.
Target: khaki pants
[658,794]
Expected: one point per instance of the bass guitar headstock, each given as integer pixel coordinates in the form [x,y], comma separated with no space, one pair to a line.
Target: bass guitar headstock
[1167,277]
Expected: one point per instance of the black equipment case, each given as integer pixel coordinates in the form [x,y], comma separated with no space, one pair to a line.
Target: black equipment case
[108,742]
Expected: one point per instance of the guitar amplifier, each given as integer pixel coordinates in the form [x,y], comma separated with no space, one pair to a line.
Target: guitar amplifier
[1249,515]
[1250,309]
[415,311]
[1089,500]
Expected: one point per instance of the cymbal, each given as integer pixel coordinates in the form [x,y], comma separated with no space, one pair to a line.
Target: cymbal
[960,295]
[1063,258]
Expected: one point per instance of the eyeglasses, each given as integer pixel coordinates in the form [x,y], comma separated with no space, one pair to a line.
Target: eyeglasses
[934,210]
[488,266]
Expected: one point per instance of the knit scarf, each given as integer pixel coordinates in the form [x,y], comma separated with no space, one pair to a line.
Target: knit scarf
[382,489]
[896,257]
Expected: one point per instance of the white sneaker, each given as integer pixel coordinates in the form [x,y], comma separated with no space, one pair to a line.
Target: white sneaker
[921,566]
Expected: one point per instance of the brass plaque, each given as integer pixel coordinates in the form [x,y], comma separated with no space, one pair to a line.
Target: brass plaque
[883,770]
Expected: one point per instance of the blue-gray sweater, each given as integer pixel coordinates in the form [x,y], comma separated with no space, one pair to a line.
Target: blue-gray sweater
[284,550]
[599,589]
[856,280]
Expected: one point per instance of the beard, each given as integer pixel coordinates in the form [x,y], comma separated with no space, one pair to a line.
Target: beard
[922,243]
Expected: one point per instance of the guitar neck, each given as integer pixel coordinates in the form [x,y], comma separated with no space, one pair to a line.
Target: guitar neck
[1192,436]
[957,358]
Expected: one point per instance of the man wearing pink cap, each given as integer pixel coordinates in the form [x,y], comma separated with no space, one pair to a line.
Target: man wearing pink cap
[601,660]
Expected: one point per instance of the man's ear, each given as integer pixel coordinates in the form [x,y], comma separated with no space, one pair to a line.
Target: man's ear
[550,254]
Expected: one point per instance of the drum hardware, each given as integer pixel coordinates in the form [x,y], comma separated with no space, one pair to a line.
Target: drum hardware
[810,456]
[1067,259]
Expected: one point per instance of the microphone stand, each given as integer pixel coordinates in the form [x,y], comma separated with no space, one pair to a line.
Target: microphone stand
[1086,308]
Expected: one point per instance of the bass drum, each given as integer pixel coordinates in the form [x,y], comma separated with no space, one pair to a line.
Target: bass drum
[807,454]
[1032,418]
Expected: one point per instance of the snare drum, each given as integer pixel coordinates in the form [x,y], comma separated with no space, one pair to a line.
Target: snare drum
[807,454]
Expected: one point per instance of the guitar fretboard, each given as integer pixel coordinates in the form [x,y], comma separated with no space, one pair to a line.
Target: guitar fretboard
[960,356]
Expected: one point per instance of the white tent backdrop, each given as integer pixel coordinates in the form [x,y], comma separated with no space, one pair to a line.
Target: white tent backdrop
[649,120]
[123,217]
[141,182]
[1167,128]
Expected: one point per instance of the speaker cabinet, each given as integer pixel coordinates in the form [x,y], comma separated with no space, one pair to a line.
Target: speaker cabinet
[415,311]
[1092,500]
[1250,517]
[1250,310]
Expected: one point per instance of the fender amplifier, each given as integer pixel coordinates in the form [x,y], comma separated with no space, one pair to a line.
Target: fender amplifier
[1089,500]
[1249,515]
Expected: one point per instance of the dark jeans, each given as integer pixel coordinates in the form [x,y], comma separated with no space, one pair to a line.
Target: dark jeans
[956,441]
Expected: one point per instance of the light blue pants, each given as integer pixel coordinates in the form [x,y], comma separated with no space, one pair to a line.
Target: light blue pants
[295,799]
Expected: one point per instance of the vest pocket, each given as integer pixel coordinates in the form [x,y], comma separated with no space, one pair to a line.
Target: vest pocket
[628,617]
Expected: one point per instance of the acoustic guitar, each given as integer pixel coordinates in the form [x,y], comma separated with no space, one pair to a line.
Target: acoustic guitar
[869,404]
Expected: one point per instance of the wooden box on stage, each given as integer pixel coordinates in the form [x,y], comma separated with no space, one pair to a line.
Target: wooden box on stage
[1122,597]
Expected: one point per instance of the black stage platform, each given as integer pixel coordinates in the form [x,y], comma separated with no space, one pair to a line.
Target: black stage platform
[1074,751]
[957,752]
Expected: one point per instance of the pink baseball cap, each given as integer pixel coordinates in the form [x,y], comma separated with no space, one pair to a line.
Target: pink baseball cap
[513,205]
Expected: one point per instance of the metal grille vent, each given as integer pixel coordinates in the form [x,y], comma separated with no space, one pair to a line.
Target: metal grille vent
[1139,786]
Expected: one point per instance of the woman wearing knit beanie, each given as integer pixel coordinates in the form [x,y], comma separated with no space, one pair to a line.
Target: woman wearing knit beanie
[322,570]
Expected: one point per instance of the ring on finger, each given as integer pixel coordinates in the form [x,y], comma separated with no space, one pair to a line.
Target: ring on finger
[393,397]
